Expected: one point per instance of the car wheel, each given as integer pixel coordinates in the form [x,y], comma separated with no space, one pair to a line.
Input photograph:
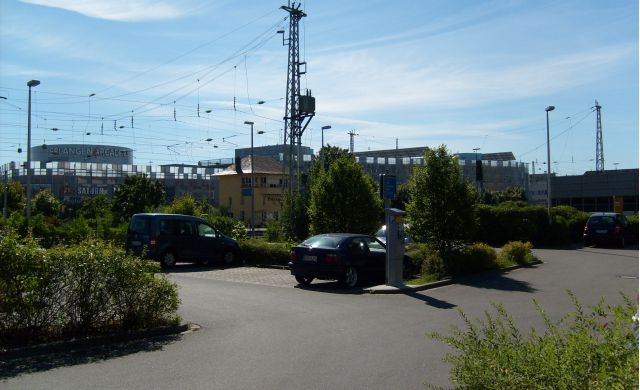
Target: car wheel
[586,243]
[304,281]
[229,257]
[350,278]
[204,262]
[168,260]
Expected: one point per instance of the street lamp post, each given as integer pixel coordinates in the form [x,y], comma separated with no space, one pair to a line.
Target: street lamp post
[30,84]
[252,182]
[323,129]
[548,109]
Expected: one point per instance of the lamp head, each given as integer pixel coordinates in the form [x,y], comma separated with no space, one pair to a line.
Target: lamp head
[325,127]
[550,108]
[33,83]
[248,123]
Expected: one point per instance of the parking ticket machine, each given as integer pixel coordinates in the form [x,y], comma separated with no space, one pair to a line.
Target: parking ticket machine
[395,245]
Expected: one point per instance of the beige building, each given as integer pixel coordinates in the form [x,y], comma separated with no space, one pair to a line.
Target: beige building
[235,189]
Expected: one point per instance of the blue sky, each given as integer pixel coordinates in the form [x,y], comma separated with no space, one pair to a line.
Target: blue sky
[467,74]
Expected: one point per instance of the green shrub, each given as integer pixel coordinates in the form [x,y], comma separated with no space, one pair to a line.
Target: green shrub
[274,231]
[472,258]
[259,252]
[31,288]
[87,288]
[633,224]
[427,260]
[228,226]
[596,350]
[516,252]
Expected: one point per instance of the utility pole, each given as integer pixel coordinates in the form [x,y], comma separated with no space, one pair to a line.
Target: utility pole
[298,107]
[351,135]
[599,149]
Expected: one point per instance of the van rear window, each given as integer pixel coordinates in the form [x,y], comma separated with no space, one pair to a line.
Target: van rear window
[140,225]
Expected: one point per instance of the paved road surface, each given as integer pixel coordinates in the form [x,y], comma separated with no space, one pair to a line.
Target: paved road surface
[259,331]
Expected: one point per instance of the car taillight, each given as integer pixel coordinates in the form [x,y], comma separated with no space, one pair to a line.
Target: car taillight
[153,241]
[292,256]
[586,228]
[331,259]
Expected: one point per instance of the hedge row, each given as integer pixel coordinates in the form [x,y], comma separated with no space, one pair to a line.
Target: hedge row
[88,288]
[260,252]
[472,258]
[518,221]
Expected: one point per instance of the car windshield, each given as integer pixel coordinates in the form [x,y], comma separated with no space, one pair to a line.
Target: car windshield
[382,231]
[322,241]
[601,220]
[139,225]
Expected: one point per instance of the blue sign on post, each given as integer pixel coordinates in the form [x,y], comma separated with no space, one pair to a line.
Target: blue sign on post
[389,187]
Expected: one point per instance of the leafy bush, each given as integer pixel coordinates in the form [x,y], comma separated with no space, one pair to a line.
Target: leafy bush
[472,258]
[82,289]
[228,226]
[185,205]
[596,350]
[516,252]
[427,260]
[633,224]
[259,252]
[45,203]
[273,232]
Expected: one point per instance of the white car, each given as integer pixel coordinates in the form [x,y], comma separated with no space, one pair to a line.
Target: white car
[381,235]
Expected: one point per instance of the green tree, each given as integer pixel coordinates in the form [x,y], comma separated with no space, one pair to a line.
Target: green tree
[136,195]
[344,199]
[510,194]
[95,207]
[16,199]
[441,205]
[186,205]
[46,204]
[295,217]
[325,157]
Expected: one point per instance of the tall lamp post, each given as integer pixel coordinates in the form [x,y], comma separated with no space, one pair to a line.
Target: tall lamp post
[253,226]
[30,84]
[323,129]
[548,109]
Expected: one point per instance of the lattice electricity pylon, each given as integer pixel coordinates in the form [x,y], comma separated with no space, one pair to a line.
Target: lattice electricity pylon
[298,107]
[599,148]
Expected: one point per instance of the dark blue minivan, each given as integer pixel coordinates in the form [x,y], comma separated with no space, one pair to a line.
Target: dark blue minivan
[169,238]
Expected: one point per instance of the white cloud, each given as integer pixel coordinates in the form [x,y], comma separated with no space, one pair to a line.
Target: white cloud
[370,80]
[119,10]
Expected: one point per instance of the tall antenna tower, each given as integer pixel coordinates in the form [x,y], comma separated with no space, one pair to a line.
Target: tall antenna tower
[298,107]
[352,133]
[599,149]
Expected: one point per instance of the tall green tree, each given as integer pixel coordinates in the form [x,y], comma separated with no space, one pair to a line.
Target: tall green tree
[344,199]
[441,205]
[16,199]
[46,204]
[137,194]
[325,157]
[295,217]
[186,205]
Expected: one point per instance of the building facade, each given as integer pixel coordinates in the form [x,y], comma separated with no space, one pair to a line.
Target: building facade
[235,186]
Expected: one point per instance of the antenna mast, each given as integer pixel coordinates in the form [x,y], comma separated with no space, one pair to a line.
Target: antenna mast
[298,107]
[599,148]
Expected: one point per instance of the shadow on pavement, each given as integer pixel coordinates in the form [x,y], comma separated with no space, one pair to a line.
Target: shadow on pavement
[495,281]
[334,287]
[431,301]
[181,268]
[26,365]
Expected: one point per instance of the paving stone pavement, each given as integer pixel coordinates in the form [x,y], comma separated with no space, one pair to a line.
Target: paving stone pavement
[253,275]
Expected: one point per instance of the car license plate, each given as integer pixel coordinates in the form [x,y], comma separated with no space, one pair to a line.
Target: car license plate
[310,258]
[136,243]
[602,231]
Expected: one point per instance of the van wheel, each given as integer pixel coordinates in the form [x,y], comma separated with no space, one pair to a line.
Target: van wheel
[204,262]
[168,260]
[229,257]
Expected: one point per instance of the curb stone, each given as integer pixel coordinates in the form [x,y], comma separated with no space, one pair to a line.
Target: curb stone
[384,289]
[88,342]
